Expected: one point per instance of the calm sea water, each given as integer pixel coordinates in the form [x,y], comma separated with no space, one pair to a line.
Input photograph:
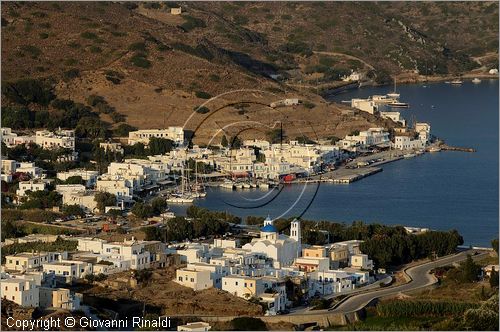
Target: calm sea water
[446,190]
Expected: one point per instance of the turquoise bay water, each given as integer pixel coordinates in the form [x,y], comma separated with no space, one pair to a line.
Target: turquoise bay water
[446,190]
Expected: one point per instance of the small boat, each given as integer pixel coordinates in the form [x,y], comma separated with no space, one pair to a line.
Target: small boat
[263,185]
[398,105]
[476,80]
[456,82]
[409,155]
[434,149]
[394,94]
[227,185]
[180,199]
[245,185]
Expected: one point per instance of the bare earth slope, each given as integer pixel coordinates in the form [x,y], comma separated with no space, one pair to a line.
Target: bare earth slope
[155,67]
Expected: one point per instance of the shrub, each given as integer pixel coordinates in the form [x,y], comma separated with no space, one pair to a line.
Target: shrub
[201,110]
[192,23]
[95,49]
[71,73]
[34,51]
[248,324]
[94,100]
[88,35]
[240,19]
[74,44]
[43,35]
[203,95]
[27,91]
[139,46]
[123,129]
[308,104]
[406,308]
[139,60]
[214,77]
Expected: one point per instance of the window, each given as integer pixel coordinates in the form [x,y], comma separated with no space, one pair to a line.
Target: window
[245,284]
[180,278]
[236,283]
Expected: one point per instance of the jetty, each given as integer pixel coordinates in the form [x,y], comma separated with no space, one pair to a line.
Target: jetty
[446,147]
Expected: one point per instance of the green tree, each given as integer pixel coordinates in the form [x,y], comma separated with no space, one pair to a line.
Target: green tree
[494,278]
[142,210]
[494,245]
[77,179]
[73,210]
[159,205]
[123,129]
[469,270]
[104,199]
[158,145]
[224,141]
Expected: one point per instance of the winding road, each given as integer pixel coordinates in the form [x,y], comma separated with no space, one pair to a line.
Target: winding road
[420,278]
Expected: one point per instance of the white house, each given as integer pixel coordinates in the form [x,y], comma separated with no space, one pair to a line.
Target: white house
[21,291]
[90,177]
[194,279]
[175,134]
[195,326]
[116,185]
[394,116]
[361,261]
[281,248]
[243,286]
[54,140]
[407,143]
[424,131]
[25,186]
[365,105]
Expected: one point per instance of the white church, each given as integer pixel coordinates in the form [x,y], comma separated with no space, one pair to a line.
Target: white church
[281,248]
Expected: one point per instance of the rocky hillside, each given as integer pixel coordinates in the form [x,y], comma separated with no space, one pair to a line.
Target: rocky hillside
[154,68]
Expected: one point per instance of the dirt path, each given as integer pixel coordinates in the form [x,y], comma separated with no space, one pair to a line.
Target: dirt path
[345,56]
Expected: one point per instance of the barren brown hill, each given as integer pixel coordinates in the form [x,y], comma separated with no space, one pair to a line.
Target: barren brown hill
[155,67]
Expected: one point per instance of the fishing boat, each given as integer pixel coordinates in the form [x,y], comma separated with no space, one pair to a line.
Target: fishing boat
[476,80]
[227,184]
[263,185]
[409,155]
[182,199]
[434,149]
[398,105]
[456,82]
[394,94]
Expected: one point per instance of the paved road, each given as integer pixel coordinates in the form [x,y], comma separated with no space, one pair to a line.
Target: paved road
[420,278]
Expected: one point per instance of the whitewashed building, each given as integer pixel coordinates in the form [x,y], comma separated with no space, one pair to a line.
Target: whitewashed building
[175,134]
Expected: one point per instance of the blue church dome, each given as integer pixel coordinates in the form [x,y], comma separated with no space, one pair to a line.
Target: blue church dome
[269,229]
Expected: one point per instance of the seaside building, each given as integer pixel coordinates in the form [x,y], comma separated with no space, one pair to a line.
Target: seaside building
[194,327]
[175,134]
[424,131]
[57,139]
[365,105]
[112,147]
[281,248]
[12,139]
[90,177]
[116,185]
[394,116]
[194,279]
[407,143]
[34,185]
